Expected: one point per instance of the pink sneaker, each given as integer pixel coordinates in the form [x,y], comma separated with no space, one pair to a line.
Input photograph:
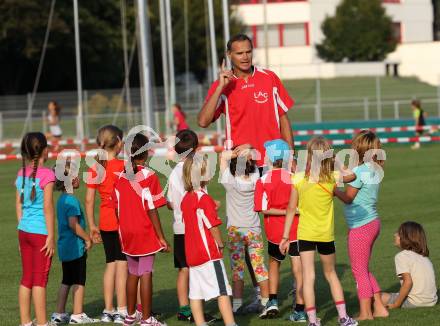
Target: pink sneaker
[151,322]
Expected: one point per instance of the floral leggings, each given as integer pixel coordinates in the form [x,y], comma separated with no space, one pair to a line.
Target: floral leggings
[239,240]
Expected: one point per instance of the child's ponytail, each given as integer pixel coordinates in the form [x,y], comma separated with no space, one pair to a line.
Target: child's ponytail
[107,139]
[32,147]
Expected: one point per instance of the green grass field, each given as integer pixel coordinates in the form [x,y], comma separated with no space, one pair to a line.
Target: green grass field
[410,190]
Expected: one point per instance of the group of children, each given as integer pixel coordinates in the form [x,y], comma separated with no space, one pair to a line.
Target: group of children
[298,220]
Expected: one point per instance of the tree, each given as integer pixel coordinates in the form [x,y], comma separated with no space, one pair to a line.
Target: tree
[436,6]
[359,31]
[23,25]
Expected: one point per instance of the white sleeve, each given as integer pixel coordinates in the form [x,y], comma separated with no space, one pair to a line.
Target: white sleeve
[227,179]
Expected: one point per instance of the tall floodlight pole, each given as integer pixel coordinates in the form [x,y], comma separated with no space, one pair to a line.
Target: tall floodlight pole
[169,30]
[165,72]
[146,91]
[226,32]
[79,122]
[185,27]
[266,38]
[126,65]
[214,57]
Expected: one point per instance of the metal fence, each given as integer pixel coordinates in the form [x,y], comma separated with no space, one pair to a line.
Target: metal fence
[316,101]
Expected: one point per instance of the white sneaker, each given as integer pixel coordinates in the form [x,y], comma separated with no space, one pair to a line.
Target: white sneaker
[60,318]
[118,318]
[82,319]
[151,322]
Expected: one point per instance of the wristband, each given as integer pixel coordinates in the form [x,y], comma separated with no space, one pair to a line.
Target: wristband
[285,238]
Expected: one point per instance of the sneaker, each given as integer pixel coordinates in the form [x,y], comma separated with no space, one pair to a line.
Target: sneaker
[60,318]
[82,319]
[151,322]
[209,319]
[118,318]
[298,316]
[347,321]
[254,307]
[130,320]
[107,317]
[271,309]
[240,311]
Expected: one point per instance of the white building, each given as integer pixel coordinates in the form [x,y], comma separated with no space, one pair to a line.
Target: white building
[294,28]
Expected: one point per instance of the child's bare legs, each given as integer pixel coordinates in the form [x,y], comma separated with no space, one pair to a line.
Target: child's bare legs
[224,305]
[24,302]
[109,285]
[197,311]
[63,293]
[365,312]
[295,262]
[379,307]
[132,293]
[183,286]
[78,299]
[385,298]
[39,298]
[308,275]
[146,294]
[328,267]
[264,288]
[120,282]
[274,275]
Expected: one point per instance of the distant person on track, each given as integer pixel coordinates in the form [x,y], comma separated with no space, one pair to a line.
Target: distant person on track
[55,132]
[179,118]
[419,119]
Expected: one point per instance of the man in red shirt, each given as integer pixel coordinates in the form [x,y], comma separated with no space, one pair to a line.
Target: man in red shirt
[253,100]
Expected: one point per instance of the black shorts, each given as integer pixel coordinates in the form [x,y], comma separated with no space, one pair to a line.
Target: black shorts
[274,250]
[323,248]
[179,251]
[74,271]
[112,246]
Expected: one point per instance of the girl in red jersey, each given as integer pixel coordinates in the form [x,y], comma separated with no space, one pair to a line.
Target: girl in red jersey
[203,244]
[179,120]
[102,177]
[137,196]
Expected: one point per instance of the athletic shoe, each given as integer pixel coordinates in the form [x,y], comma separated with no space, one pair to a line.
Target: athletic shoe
[82,319]
[255,306]
[240,311]
[315,324]
[271,309]
[347,321]
[298,316]
[130,320]
[60,318]
[182,317]
[107,317]
[151,322]
[118,318]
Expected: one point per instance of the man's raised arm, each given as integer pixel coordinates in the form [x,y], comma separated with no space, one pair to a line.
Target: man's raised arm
[207,113]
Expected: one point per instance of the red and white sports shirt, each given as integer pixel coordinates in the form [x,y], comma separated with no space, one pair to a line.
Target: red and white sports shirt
[273,191]
[199,216]
[252,109]
[133,199]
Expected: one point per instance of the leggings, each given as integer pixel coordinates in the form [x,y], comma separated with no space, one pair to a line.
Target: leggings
[360,245]
[35,263]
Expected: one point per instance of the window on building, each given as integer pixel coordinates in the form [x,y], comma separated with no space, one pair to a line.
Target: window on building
[294,34]
[397,32]
[273,36]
